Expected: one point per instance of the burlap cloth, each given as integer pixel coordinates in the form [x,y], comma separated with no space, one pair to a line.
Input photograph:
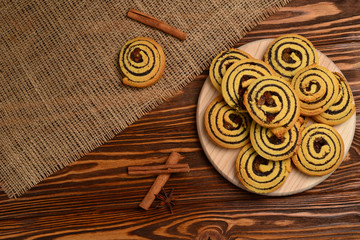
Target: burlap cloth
[61,93]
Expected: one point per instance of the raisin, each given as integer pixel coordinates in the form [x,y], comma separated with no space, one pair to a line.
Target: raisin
[136,56]
[318,143]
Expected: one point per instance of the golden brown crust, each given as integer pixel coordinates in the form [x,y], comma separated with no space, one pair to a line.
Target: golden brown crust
[289,53]
[145,70]
[260,175]
[269,146]
[238,77]
[272,103]
[321,150]
[225,126]
[222,62]
[317,89]
[342,108]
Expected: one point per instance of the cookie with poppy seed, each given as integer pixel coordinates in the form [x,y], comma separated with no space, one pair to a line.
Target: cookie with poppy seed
[142,62]
[258,174]
[269,146]
[317,89]
[225,126]
[343,107]
[321,150]
[273,104]
[289,53]
[238,77]
[222,62]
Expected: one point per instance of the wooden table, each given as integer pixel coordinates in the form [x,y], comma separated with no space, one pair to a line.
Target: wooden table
[94,198]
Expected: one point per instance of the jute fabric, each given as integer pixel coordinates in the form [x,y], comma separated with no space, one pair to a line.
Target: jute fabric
[61,93]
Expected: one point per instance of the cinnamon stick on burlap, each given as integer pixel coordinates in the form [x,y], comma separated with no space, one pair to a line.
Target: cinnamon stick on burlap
[155,23]
[159,182]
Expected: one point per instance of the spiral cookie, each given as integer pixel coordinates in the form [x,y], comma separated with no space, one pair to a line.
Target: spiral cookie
[321,150]
[268,146]
[343,107]
[222,62]
[225,126]
[317,89]
[238,77]
[142,61]
[258,174]
[289,53]
[272,103]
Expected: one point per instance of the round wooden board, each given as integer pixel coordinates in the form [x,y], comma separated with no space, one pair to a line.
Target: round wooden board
[224,159]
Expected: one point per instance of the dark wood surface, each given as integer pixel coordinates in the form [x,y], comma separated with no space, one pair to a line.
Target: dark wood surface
[94,198]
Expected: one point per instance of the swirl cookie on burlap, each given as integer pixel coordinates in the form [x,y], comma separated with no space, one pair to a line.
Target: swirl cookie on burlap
[238,77]
[225,126]
[289,53]
[222,62]
[321,150]
[272,103]
[343,107]
[258,174]
[142,62]
[317,89]
[268,146]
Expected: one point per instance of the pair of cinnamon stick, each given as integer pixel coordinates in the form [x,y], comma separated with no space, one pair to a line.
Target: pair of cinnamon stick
[164,171]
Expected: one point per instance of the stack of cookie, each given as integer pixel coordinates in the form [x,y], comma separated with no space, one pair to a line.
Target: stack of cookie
[265,106]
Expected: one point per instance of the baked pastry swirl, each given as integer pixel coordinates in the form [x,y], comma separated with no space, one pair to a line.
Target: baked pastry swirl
[258,174]
[321,150]
[142,62]
[272,103]
[268,146]
[222,62]
[317,89]
[343,107]
[238,77]
[225,126]
[289,53]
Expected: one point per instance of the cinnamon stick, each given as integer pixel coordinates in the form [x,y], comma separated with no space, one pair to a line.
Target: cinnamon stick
[159,182]
[158,169]
[155,23]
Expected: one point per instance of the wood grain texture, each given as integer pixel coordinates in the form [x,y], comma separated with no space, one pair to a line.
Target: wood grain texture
[94,198]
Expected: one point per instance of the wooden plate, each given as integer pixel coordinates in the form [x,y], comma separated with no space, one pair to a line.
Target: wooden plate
[224,159]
